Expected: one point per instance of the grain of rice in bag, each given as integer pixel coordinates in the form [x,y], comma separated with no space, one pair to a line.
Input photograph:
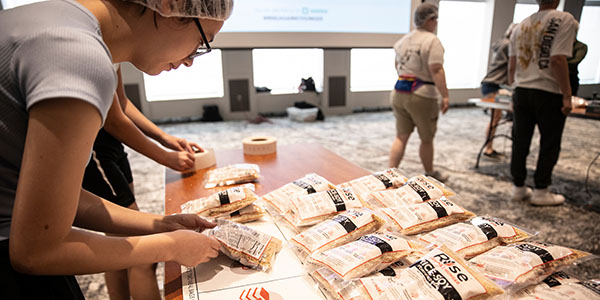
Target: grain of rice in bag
[439,275]
[340,229]
[387,179]
[280,199]
[250,247]
[231,174]
[368,254]
[422,217]
[518,265]
[221,203]
[416,190]
[475,236]
[314,208]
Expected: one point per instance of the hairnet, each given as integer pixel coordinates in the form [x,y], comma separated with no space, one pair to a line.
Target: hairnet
[218,10]
[424,12]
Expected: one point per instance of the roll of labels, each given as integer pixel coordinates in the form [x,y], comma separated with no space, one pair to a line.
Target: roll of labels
[259,145]
[204,159]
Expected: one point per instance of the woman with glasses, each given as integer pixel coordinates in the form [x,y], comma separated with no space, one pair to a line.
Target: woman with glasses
[56,87]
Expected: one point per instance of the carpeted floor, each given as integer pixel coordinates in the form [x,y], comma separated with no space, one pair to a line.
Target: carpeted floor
[365,140]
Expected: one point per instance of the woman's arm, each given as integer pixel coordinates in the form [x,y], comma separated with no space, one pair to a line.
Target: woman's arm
[42,241]
[122,128]
[147,127]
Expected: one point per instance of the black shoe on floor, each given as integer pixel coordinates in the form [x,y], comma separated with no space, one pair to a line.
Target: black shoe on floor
[494,155]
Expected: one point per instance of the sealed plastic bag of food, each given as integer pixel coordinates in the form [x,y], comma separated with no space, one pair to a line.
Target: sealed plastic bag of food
[518,265]
[422,217]
[221,203]
[231,174]
[366,255]
[440,274]
[559,286]
[416,190]
[341,229]
[250,247]
[249,213]
[313,208]
[476,236]
[280,199]
[387,179]
[331,283]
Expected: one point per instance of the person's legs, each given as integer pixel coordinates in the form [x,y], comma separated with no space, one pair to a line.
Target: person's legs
[404,127]
[522,131]
[142,279]
[551,124]
[426,154]
[397,151]
[491,129]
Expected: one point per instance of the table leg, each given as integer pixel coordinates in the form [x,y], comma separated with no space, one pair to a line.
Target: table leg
[488,138]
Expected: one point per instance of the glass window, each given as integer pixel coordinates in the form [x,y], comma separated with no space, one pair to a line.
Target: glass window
[461,31]
[281,70]
[589,68]
[6,4]
[204,79]
[372,69]
[523,11]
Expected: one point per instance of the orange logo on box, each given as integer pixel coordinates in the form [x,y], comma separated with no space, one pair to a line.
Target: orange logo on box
[255,294]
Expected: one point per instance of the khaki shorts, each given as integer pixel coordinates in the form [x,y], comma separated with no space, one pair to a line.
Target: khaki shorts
[411,110]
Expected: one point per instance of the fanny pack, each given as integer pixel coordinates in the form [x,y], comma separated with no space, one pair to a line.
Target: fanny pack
[409,83]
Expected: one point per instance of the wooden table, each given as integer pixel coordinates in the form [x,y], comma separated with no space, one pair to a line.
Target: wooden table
[289,163]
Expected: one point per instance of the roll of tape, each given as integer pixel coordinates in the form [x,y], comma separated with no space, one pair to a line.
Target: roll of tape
[259,145]
[204,159]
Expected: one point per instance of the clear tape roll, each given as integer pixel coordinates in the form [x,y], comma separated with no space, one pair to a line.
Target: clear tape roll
[204,159]
[259,145]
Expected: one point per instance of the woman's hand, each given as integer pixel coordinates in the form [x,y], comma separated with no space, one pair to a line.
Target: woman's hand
[184,221]
[192,248]
[179,144]
[178,160]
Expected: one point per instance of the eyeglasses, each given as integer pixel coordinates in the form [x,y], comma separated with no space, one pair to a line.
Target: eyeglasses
[205,47]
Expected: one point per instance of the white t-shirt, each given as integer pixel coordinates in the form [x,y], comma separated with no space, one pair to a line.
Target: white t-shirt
[542,35]
[414,53]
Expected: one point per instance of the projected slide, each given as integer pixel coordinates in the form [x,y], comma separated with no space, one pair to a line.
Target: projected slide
[354,16]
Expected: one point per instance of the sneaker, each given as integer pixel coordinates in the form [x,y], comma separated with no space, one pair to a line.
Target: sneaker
[438,175]
[521,193]
[494,154]
[543,197]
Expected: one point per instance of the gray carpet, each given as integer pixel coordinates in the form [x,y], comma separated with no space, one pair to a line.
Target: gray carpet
[365,140]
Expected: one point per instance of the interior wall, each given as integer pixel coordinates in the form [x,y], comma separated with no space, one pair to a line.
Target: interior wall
[237,65]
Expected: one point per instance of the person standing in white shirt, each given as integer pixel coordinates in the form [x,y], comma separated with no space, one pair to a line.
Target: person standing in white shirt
[419,62]
[538,52]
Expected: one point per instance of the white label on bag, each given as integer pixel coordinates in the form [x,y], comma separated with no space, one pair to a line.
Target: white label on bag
[325,203]
[203,205]
[348,257]
[379,181]
[508,263]
[436,276]
[328,231]
[415,214]
[416,190]
[463,235]
[572,291]
[243,239]
[281,198]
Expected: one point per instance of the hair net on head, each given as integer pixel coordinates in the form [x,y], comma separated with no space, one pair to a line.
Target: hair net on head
[218,10]
[424,12]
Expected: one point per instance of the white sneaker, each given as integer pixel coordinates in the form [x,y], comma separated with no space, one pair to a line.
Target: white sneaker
[521,193]
[438,175]
[543,197]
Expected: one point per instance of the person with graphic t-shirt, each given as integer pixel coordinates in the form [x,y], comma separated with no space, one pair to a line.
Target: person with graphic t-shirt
[419,63]
[538,52]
